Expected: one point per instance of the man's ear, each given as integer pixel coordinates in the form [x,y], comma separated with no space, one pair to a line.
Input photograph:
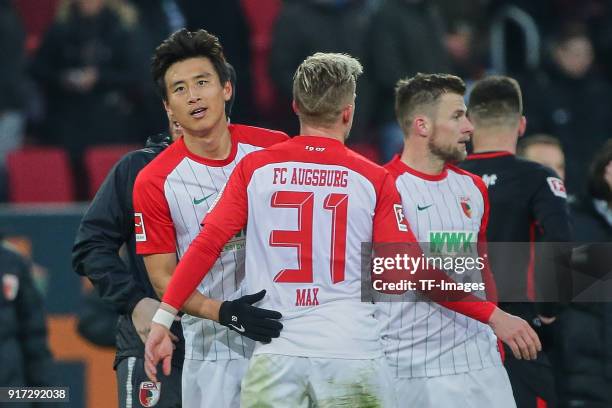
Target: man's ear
[295,107]
[168,111]
[421,125]
[347,113]
[228,91]
[522,126]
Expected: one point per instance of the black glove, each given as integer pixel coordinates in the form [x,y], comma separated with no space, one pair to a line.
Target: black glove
[250,321]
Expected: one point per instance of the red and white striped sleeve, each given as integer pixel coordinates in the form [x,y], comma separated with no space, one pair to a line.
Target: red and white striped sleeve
[154,229]
[227,216]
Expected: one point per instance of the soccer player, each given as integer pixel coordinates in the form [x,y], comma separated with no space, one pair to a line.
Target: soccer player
[439,357]
[172,195]
[107,225]
[329,351]
[526,198]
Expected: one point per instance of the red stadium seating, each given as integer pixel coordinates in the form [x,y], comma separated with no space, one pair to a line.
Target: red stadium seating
[99,160]
[39,175]
[37,16]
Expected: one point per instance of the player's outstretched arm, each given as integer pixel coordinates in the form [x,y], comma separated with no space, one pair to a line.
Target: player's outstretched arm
[516,333]
[239,315]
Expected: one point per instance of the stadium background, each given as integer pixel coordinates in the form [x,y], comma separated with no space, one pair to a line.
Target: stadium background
[71,105]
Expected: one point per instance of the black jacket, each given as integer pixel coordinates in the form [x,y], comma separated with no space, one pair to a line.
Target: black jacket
[26,359]
[106,226]
[526,198]
[586,343]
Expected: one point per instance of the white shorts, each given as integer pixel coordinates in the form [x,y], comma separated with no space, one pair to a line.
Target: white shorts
[212,384]
[486,388]
[274,380]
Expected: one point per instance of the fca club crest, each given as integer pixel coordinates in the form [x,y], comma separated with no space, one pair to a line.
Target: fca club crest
[466,206]
[10,286]
[149,393]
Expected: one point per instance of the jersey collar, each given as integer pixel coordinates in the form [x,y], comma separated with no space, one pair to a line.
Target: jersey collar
[212,162]
[404,168]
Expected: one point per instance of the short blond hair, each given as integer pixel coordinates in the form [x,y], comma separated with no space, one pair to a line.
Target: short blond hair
[323,85]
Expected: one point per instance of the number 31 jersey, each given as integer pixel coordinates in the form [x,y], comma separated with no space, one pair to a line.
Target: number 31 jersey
[311,203]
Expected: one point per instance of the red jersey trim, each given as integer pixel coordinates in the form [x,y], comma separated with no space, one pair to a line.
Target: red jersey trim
[397,167]
[239,134]
[488,155]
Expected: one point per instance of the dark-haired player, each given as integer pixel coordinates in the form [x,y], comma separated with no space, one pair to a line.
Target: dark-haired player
[172,195]
[108,225]
[526,198]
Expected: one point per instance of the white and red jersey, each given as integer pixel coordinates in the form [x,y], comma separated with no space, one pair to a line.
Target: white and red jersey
[171,197]
[424,339]
[311,203]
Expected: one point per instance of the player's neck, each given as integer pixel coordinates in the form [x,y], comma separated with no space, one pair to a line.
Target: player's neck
[213,145]
[422,161]
[332,132]
[491,140]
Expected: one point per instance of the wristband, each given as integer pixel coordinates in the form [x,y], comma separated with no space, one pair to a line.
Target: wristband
[164,318]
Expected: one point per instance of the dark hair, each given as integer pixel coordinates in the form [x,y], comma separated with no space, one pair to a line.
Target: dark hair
[496,100]
[569,31]
[537,139]
[598,187]
[182,45]
[423,90]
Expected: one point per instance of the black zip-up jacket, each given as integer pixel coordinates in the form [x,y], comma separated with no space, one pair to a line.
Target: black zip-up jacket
[26,359]
[107,225]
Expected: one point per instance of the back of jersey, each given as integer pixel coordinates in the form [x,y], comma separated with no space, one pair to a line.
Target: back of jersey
[311,205]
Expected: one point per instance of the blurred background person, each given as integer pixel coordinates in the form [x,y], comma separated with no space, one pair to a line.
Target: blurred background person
[308,26]
[26,359]
[12,83]
[87,66]
[543,149]
[404,37]
[571,100]
[586,341]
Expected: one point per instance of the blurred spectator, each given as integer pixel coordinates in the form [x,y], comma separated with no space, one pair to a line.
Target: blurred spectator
[226,20]
[405,37]
[87,65]
[587,337]
[157,19]
[12,84]
[309,26]
[570,100]
[543,149]
[26,359]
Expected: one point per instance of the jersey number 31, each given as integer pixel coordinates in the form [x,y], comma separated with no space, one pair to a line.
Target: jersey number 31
[301,239]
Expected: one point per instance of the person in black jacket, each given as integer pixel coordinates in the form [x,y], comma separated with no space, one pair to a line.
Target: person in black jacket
[26,359]
[526,198]
[107,225]
[586,346]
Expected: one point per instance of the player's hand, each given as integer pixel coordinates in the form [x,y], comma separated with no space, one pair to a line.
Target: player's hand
[143,314]
[158,348]
[250,321]
[516,333]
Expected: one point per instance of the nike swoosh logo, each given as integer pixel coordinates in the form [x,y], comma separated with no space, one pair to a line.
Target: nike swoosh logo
[201,200]
[424,207]
[238,329]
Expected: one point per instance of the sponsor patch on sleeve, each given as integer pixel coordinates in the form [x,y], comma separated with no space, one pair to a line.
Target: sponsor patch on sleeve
[399,217]
[556,186]
[139,228]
